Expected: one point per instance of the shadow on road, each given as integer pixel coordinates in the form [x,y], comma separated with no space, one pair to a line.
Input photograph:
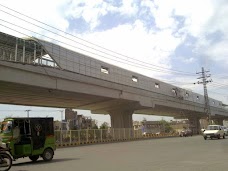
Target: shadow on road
[41,162]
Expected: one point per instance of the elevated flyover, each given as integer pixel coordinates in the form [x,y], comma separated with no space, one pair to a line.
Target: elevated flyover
[40,73]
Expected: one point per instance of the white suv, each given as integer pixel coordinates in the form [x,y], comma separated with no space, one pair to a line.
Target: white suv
[214,131]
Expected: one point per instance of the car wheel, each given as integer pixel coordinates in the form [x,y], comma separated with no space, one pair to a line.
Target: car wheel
[205,138]
[48,154]
[219,136]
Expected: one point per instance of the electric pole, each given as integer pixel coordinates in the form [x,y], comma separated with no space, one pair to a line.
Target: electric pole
[61,119]
[204,80]
[27,112]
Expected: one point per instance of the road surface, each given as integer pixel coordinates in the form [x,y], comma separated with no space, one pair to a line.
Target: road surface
[165,154]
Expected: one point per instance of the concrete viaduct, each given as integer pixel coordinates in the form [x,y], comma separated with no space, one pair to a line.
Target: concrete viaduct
[39,73]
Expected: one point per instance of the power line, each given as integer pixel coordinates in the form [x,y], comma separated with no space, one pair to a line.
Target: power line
[204,81]
[171,70]
[135,64]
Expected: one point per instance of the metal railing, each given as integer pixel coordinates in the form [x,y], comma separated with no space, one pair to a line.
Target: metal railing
[86,136]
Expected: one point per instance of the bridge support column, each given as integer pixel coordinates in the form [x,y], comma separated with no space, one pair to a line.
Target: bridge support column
[194,124]
[121,118]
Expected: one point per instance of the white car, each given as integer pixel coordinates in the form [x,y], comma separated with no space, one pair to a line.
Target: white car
[225,130]
[214,131]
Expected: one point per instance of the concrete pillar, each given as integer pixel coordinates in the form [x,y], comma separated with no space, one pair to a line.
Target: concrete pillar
[121,118]
[194,124]
[204,123]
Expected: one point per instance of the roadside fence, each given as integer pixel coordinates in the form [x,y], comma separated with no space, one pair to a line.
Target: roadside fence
[92,136]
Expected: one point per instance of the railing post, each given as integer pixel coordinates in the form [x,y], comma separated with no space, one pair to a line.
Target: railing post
[113,134]
[34,55]
[130,132]
[101,134]
[70,137]
[79,138]
[16,50]
[61,137]
[87,134]
[23,53]
[3,55]
[94,135]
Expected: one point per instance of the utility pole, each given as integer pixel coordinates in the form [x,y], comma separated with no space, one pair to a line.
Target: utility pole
[204,80]
[61,119]
[27,112]
[61,131]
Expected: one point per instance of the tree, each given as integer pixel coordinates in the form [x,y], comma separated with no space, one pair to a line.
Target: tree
[104,125]
[166,125]
[95,126]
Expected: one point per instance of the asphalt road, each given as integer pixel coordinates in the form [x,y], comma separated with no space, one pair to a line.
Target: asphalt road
[169,154]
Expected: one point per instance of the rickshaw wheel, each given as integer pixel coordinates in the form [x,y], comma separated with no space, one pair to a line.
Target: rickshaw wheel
[34,158]
[48,154]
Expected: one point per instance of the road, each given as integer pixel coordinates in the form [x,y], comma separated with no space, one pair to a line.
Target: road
[164,154]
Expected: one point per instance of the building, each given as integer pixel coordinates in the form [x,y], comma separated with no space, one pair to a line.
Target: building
[58,126]
[71,117]
[137,125]
[148,126]
[78,121]
[178,126]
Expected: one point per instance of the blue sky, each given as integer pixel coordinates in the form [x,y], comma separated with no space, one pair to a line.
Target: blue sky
[180,35]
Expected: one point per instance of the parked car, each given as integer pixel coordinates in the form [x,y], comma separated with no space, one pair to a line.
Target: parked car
[225,130]
[214,131]
[186,133]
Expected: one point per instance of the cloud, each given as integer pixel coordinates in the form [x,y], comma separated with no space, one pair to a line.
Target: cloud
[218,52]
[149,31]
[92,11]
[189,60]
[135,41]
[45,11]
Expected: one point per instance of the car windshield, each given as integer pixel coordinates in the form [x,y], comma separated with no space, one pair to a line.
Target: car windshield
[6,127]
[213,127]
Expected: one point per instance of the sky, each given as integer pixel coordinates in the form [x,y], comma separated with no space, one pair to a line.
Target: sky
[172,39]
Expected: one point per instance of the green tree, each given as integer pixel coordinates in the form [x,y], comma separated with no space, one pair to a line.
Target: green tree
[166,125]
[95,126]
[104,125]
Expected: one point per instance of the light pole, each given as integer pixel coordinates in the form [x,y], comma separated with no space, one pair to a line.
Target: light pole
[27,112]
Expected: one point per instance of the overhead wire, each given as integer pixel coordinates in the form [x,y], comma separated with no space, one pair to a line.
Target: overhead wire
[83,40]
[135,64]
[170,70]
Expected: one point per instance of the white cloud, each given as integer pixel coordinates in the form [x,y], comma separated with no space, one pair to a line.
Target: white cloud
[151,46]
[189,60]
[90,11]
[218,52]
[45,11]
[136,42]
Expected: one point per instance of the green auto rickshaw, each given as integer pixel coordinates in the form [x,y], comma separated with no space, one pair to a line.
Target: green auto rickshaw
[29,137]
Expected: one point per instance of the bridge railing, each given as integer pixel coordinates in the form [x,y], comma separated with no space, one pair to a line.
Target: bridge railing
[89,136]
